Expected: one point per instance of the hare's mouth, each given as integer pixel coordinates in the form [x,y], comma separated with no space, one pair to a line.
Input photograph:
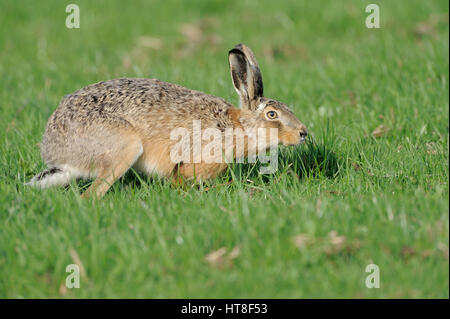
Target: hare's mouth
[301,140]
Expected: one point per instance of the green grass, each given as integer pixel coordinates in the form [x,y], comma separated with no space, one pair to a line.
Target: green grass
[342,201]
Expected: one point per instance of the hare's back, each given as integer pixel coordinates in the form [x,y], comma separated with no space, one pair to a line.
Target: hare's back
[133,97]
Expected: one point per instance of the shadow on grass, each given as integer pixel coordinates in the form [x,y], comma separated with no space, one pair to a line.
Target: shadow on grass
[131,179]
[312,159]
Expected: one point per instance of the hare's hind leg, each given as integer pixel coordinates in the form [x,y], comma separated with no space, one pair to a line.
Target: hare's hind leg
[115,165]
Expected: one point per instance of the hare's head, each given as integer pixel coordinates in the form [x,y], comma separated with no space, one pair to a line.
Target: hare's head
[257,110]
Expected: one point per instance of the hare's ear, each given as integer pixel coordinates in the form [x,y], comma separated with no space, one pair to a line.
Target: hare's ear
[246,76]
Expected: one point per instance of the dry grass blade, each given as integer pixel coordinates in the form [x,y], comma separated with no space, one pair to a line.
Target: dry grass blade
[150,42]
[336,240]
[234,253]
[301,240]
[76,260]
[381,130]
[220,258]
[216,258]
[192,32]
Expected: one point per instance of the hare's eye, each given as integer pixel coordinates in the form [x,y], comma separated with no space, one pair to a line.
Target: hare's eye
[271,115]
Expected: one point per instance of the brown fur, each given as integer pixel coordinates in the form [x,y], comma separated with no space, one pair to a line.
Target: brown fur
[105,128]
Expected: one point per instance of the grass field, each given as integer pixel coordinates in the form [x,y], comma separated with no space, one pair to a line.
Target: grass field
[370,186]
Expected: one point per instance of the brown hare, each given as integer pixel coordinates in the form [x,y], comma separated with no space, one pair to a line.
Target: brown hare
[106,128]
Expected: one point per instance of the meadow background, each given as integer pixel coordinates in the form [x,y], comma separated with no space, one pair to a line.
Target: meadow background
[370,186]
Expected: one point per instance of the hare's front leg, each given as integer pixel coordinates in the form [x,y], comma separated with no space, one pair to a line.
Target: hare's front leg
[115,164]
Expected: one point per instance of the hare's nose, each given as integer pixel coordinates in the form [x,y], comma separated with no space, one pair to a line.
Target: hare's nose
[303,133]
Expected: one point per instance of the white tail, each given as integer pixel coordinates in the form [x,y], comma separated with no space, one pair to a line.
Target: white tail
[52,176]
